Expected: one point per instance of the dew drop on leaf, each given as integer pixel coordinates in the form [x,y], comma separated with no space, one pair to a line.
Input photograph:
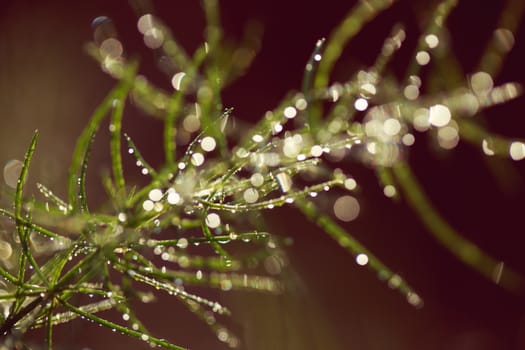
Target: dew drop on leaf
[251,195]
[182,243]
[12,171]
[361,259]
[155,194]
[208,144]
[257,179]
[284,181]
[176,81]
[213,220]
[148,205]
[5,250]
[197,159]
[439,115]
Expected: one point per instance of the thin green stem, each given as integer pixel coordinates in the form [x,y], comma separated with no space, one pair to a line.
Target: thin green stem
[359,15]
[115,143]
[49,328]
[121,329]
[345,240]
[83,172]
[464,250]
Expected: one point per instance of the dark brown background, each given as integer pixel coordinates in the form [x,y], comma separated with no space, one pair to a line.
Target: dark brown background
[47,82]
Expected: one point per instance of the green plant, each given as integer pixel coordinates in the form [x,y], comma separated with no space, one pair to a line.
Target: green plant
[195,197]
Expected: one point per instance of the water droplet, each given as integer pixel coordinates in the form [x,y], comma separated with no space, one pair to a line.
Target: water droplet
[350,184]
[395,281]
[223,334]
[371,147]
[103,29]
[290,112]
[422,58]
[242,153]
[335,92]
[517,150]
[257,138]
[173,197]
[389,191]
[361,259]
[111,47]
[346,208]
[182,243]
[122,217]
[439,115]
[146,22]
[158,208]
[148,205]
[481,83]
[154,38]
[197,159]
[292,145]
[12,171]
[191,123]
[155,194]
[257,179]
[504,39]
[487,148]
[411,92]
[421,119]
[391,126]
[5,250]
[251,195]
[301,104]
[213,220]
[316,151]
[277,128]
[208,144]
[368,89]
[99,20]
[176,81]
[284,181]
[414,299]
[408,139]
[448,137]
[361,104]
[432,41]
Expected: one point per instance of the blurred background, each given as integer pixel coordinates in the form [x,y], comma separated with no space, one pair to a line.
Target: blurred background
[48,82]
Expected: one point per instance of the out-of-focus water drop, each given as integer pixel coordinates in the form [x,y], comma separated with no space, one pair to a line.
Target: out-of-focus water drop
[346,208]
[12,171]
[284,181]
[5,250]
